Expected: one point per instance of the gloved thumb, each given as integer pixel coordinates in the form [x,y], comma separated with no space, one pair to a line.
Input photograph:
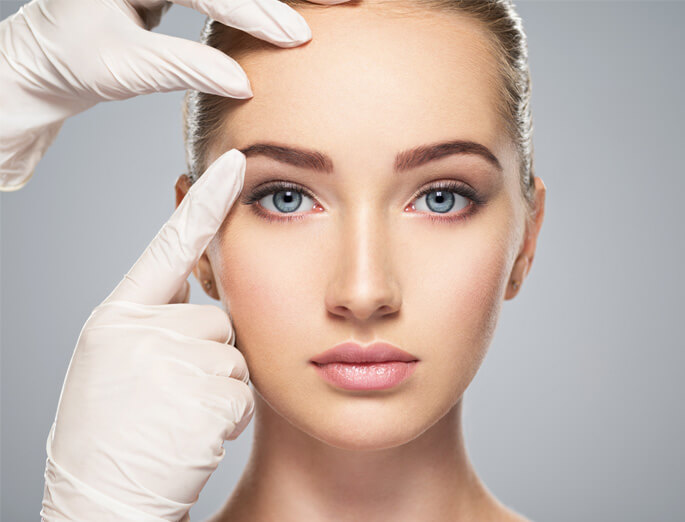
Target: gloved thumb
[167,63]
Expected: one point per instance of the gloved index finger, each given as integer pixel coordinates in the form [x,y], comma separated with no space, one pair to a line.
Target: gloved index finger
[269,20]
[167,261]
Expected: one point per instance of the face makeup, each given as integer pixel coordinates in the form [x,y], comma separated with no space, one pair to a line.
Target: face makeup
[375,234]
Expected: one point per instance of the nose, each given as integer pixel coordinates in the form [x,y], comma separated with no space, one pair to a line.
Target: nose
[363,285]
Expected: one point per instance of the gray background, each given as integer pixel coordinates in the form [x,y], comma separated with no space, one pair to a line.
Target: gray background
[576,412]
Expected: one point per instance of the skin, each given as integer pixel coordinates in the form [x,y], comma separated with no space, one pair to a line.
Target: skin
[357,266]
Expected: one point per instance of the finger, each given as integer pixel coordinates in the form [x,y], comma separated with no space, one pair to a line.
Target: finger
[193,320]
[243,408]
[269,20]
[208,357]
[166,63]
[165,264]
[162,352]
[229,399]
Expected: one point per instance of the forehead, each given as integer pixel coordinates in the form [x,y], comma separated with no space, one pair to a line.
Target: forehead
[368,84]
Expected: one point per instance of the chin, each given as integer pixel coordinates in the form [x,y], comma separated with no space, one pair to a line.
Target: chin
[365,426]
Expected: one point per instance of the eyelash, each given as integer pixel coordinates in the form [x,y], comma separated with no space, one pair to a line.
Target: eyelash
[447,186]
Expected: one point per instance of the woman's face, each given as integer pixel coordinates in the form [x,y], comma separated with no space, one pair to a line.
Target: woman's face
[349,257]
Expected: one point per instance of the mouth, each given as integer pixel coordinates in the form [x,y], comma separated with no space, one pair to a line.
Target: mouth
[378,366]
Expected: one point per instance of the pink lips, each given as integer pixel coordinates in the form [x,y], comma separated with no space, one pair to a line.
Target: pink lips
[377,366]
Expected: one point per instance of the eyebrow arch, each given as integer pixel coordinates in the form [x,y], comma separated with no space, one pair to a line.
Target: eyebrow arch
[405,160]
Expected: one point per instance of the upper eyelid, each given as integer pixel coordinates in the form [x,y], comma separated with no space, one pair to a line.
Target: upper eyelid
[278,185]
[437,185]
[272,187]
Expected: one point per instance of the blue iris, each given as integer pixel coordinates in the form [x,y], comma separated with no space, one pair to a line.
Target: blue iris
[442,202]
[287,200]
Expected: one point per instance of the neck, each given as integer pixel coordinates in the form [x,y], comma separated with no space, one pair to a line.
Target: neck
[292,476]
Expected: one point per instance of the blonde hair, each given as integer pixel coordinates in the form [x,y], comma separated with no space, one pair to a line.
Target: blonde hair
[202,113]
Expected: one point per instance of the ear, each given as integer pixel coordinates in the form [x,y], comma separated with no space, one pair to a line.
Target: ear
[525,258]
[203,270]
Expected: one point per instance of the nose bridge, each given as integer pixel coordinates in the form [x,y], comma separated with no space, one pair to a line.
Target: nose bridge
[363,282]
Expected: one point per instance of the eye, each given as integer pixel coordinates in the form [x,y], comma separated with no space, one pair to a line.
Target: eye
[284,201]
[446,200]
[442,201]
[279,199]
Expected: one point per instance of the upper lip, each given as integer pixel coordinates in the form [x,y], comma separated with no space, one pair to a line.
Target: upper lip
[351,352]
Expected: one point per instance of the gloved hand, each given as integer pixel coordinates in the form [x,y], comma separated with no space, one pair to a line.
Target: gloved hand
[61,57]
[154,385]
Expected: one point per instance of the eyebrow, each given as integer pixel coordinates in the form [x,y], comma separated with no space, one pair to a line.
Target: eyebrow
[405,160]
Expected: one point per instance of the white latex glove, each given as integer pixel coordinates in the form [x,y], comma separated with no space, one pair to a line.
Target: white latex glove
[61,57]
[154,385]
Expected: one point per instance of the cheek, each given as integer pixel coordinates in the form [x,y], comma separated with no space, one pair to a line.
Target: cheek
[471,276]
[264,276]
[454,297]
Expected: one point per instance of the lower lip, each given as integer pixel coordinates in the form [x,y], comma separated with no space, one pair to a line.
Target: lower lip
[366,376]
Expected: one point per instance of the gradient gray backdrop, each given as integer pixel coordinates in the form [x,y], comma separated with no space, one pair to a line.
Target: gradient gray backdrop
[576,412]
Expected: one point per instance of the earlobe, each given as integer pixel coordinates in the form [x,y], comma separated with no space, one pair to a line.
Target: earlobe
[518,274]
[205,275]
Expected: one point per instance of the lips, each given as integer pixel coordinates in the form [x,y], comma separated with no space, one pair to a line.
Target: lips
[349,352]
